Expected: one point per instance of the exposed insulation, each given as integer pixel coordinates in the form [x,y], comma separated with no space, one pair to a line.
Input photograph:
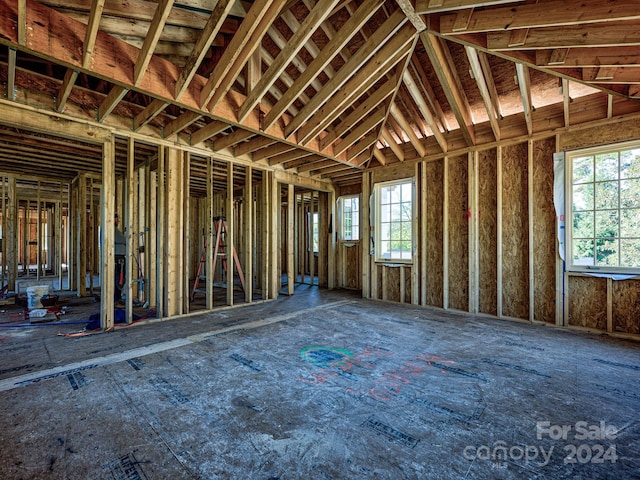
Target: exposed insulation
[544,232]
[626,306]
[589,137]
[515,238]
[434,232]
[588,302]
[458,234]
[487,232]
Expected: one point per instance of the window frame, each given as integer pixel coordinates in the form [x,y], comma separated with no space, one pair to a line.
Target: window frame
[314,232]
[570,158]
[341,218]
[377,230]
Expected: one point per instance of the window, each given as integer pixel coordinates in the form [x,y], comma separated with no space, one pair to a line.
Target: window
[394,221]
[603,205]
[314,231]
[349,218]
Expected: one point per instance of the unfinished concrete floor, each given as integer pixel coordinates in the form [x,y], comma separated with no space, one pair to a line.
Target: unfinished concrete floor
[320,385]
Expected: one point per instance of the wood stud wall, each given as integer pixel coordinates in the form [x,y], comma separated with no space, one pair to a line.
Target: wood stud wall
[487,240]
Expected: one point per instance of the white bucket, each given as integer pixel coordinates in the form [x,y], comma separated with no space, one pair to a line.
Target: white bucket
[34,294]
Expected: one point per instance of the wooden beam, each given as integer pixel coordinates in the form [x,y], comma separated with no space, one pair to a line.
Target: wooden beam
[253,145]
[524,83]
[408,130]
[416,20]
[385,33]
[363,110]
[202,45]
[59,46]
[375,118]
[388,57]
[151,39]
[566,100]
[417,97]
[149,113]
[625,33]
[290,157]
[231,139]
[11,75]
[210,130]
[395,148]
[588,57]
[107,216]
[259,17]
[427,91]
[290,240]
[249,235]
[22,22]
[64,91]
[116,94]
[181,122]
[441,60]
[478,74]
[380,156]
[311,22]
[92,31]
[354,153]
[271,151]
[434,6]
[547,14]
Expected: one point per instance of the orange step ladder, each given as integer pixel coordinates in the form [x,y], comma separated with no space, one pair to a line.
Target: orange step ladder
[220,227]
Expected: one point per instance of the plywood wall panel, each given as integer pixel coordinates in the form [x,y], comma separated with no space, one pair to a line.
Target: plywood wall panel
[626,306]
[407,284]
[487,232]
[515,241]
[458,233]
[544,232]
[392,283]
[600,135]
[352,256]
[588,302]
[434,231]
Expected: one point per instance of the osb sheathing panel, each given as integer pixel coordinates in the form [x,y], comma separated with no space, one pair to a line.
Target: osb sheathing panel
[626,306]
[393,283]
[434,232]
[487,232]
[616,132]
[544,232]
[395,172]
[458,234]
[352,258]
[515,238]
[407,284]
[588,302]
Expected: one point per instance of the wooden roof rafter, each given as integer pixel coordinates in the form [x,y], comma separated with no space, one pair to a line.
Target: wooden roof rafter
[439,55]
[248,37]
[386,31]
[335,45]
[385,59]
[524,82]
[209,33]
[488,96]
[313,20]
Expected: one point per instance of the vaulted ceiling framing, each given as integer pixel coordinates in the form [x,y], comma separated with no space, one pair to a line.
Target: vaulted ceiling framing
[323,88]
